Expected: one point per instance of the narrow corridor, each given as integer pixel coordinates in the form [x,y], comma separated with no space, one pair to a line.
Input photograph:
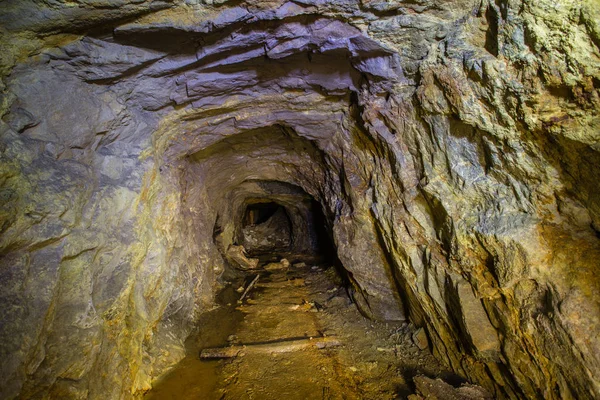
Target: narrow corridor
[270,344]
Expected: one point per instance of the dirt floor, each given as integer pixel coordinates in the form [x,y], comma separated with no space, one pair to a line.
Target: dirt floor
[281,321]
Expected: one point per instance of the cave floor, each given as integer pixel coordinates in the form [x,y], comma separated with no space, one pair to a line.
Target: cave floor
[376,360]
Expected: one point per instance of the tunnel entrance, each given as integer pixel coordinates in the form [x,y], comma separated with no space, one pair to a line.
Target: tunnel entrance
[266,229]
[265,221]
[295,229]
[291,330]
[260,212]
[323,241]
[288,306]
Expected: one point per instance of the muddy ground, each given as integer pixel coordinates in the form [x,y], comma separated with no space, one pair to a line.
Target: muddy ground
[298,305]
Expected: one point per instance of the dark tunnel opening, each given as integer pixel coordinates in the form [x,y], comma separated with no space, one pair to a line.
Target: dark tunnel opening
[291,226]
[327,253]
[323,237]
[259,213]
[266,229]
[277,222]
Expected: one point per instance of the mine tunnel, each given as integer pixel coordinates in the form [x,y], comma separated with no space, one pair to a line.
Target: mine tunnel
[267,229]
[294,226]
[305,199]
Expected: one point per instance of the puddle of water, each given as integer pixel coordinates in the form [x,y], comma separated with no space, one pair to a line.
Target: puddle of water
[192,378]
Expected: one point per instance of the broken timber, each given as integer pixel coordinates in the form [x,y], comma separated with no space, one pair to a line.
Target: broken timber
[280,346]
[248,288]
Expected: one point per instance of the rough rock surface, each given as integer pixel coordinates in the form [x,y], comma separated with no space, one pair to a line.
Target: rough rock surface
[436,389]
[236,256]
[453,147]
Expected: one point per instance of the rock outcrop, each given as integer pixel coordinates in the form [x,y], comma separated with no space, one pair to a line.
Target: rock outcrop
[436,389]
[453,147]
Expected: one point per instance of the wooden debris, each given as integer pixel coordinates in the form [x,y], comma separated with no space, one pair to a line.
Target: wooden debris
[297,282]
[266,309]
[248,288]
[280,346]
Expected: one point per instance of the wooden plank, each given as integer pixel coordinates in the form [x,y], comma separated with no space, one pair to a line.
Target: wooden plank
[279,346]
[297,282]
[248,288]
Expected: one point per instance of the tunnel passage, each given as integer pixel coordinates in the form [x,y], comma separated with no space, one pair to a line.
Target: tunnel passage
[285,224]
[280,220]
[267,229]
[450,146]
[276,163]
[261,211]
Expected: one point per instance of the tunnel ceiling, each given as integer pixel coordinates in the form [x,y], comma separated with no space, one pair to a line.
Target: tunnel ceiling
[451,146]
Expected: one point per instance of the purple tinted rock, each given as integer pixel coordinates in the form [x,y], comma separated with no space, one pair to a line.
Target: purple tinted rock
[382,67]
[20,119]
[291,30]
[215,82]
[325,29]
[290,9]
[361,45]
[99,60]
[170,65]
[236,58]
[237,42]
[287,48]
[230,16]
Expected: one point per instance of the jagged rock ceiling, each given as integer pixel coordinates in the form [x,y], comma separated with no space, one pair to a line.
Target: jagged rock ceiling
[452,146]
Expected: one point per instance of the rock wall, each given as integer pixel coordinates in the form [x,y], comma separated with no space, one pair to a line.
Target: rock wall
[452,145]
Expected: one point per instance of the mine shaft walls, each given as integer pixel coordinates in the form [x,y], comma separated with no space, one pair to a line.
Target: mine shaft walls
[272,161]
[451,147]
